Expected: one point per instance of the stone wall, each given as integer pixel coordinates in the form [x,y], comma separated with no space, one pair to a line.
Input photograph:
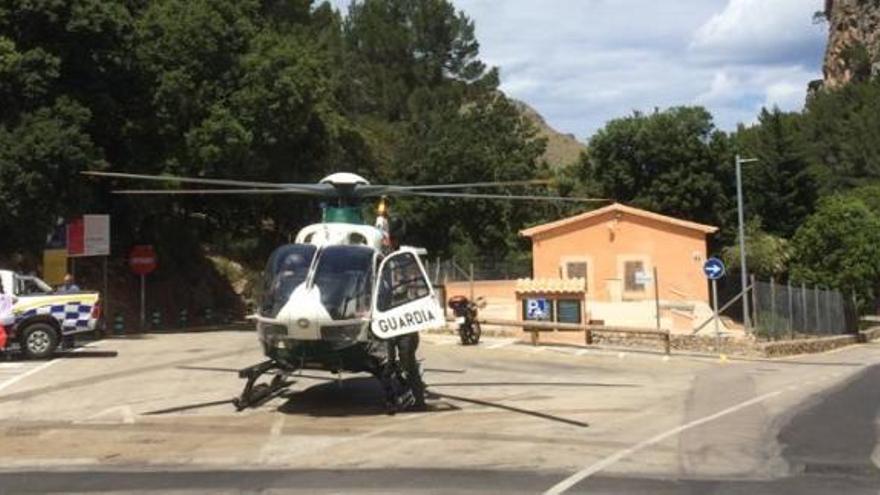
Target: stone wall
[731,346]
[807,346]
[870,334]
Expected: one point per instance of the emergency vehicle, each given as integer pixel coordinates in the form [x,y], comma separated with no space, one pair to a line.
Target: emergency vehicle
[41,318]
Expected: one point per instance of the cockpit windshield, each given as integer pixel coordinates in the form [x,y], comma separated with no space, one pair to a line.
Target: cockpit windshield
[287,269]
[344,277]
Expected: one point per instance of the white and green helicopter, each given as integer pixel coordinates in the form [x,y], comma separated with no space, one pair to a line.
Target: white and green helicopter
[339,298]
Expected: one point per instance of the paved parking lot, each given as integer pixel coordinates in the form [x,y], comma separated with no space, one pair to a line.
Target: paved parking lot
[154,414]
[11,372]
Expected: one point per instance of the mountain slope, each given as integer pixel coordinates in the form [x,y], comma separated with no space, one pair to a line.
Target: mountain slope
[562,149]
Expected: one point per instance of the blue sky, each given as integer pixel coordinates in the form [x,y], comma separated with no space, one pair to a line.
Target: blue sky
[583,62]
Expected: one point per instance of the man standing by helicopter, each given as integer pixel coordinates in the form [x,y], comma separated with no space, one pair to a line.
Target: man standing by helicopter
[402,349]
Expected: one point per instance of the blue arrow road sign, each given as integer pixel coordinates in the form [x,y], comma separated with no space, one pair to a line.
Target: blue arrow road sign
[713,268]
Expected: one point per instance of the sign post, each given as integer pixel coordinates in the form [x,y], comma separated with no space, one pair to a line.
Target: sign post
[144,301]
[657,297]
[714,270]
[142,262]
[644,278]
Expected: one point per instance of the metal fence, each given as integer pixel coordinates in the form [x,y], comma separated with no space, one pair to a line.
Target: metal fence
[784,311]
[441,271]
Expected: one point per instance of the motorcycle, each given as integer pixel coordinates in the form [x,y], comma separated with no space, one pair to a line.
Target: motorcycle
[465,312]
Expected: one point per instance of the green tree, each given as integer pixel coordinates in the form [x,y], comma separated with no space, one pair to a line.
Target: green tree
[766,254]
[487,139]
[430,112]
[841,136]
[39,164]
[839,247]
[397,46]
[667,161]
[869,195]
[780,188]
[61,65]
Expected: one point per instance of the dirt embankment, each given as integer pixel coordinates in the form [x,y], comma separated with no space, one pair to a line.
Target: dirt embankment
[198,291]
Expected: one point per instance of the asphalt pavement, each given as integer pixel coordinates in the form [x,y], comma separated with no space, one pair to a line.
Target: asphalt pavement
[153,415]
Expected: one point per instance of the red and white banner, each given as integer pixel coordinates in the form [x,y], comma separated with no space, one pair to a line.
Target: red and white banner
[76,242]
[89,236]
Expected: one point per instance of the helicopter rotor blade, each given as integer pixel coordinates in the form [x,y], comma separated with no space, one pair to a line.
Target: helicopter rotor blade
[404,193]
[467,185]
[318,189]
[502,196]
[375,190]
[331,190]
[196,192]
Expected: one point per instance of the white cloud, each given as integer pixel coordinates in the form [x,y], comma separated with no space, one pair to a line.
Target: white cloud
[761,31]
[725,88]
[583,62]
[784,94]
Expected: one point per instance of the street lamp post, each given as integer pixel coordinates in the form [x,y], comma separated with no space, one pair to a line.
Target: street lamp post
[742,239]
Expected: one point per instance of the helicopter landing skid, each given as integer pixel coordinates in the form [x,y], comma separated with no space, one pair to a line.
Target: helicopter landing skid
[256,394]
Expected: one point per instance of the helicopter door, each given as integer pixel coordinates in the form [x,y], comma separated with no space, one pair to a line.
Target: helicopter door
[403,300]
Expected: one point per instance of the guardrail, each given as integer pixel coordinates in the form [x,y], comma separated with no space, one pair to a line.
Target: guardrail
[536,327]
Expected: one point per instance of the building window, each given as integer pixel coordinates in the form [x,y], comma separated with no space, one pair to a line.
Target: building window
[632,283]
[576,269]
[401,281]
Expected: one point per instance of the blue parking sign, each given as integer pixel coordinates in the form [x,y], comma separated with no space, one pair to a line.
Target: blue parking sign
[537,309]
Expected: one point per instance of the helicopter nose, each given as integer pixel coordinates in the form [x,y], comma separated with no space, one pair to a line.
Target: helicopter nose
[302,314]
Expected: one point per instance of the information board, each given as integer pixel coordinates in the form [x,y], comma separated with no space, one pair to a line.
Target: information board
[569,310]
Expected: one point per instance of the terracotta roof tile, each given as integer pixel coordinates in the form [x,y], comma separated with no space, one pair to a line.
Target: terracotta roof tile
[550,285]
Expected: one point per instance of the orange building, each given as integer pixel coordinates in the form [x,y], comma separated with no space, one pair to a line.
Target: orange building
[610,252]
[616,248]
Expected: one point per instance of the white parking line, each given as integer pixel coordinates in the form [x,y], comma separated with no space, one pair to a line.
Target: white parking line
[500,344]
[592,469]
[12,381]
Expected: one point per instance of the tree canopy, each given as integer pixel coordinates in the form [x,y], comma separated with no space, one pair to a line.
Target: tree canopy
[839,247]
[276,90]
[395,90]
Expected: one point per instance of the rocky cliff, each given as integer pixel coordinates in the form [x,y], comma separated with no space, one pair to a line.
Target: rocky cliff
[562,149]
[853,52]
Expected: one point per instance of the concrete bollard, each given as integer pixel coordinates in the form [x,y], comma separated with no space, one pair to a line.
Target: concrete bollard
[119,324]
[156,319]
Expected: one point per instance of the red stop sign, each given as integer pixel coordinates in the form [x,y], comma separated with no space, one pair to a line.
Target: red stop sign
[142,259]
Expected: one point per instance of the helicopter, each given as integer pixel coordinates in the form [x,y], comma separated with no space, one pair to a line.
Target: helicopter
[340,297]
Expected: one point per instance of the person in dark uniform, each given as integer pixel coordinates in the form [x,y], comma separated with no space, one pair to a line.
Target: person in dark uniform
[403,350]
